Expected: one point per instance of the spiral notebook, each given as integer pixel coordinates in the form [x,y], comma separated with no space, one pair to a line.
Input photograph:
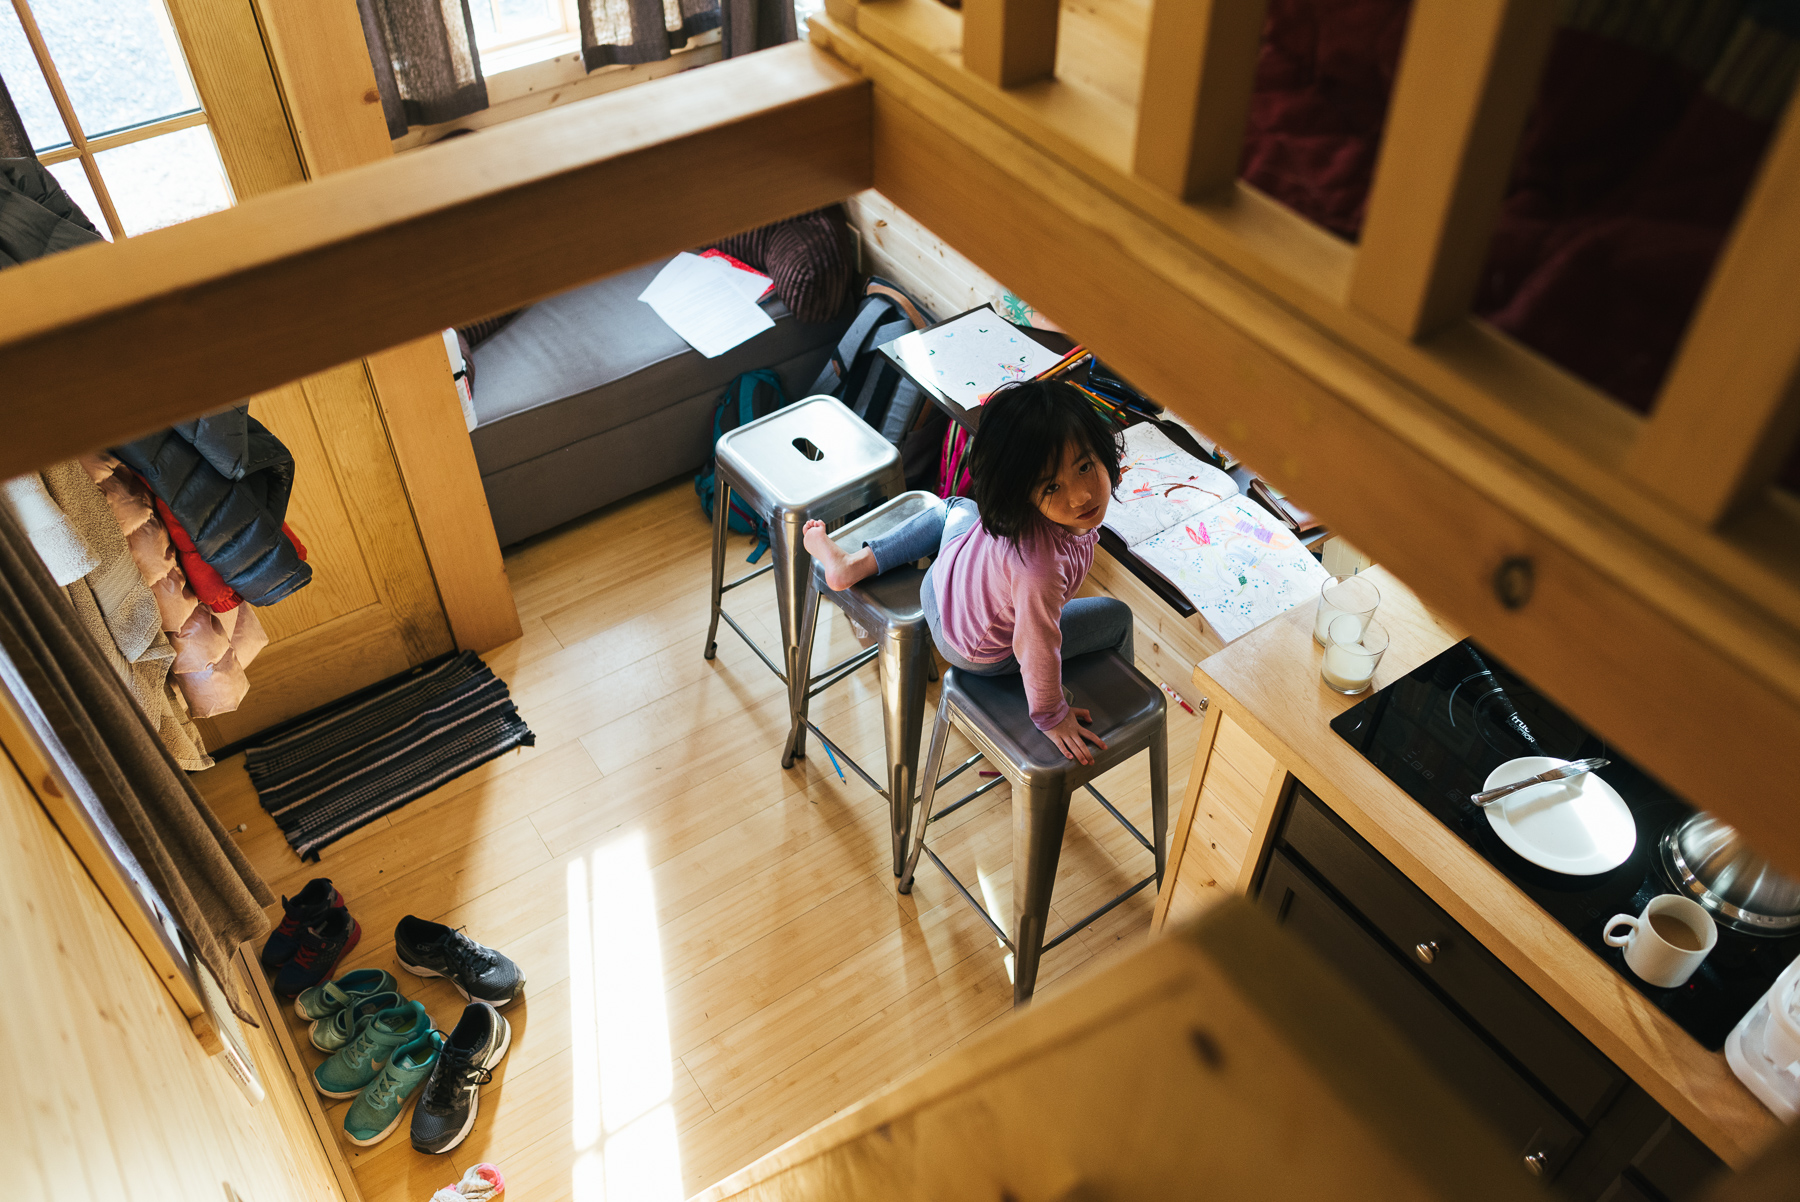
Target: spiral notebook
[1188,522]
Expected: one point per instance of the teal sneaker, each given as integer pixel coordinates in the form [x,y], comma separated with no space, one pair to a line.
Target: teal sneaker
[356,1064]
[379,1108]
[326,999]
[330,1034]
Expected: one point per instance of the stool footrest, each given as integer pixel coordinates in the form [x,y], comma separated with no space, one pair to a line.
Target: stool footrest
[1097,914]
[964,800]
[970,898]
[841,670]
[844,757]
[959,769]
[760,653]
[1123,821]
[747,577]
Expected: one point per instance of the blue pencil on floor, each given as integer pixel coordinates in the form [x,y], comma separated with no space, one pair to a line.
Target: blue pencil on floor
[834,763]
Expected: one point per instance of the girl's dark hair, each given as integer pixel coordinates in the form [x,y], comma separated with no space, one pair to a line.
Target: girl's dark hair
[1024,428]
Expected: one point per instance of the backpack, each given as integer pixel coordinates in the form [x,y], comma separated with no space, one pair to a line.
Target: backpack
[751,395]
[863,378]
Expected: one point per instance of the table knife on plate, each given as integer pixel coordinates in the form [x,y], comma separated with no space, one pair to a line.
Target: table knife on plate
[1578,768]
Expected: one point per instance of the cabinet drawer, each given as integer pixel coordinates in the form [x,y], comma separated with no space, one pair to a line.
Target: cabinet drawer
[1525,1118]
[1514,1017]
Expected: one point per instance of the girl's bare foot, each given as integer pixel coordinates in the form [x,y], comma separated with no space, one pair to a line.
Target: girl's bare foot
[841,570]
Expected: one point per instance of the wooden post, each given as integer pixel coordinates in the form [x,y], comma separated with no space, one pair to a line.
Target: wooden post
[1199,68]
[1730,409]
[1010,42]
[1468,75]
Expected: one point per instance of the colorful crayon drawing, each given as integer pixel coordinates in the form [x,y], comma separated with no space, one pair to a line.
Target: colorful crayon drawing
[1161,486]
[1246,569]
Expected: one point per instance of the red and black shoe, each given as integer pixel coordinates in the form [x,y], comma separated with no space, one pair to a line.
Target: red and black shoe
[306,908]
[322,947]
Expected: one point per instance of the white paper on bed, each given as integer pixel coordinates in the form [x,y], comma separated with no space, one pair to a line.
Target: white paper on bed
[1161,485]
[1237,564]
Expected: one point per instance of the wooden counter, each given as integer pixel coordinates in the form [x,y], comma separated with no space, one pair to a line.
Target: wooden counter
[1268,716]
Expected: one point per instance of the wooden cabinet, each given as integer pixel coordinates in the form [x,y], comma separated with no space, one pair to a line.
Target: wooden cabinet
[1571,1116]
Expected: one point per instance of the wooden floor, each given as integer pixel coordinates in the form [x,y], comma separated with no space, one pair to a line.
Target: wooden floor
[717,956]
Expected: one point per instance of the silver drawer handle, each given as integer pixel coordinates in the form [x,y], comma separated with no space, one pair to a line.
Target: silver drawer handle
[1427,951]
[1537,1163]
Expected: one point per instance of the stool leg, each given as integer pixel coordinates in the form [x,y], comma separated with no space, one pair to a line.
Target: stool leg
[721,518]
[1038,821]
[1159,800]
[934,764]
[798,701]
[904,657]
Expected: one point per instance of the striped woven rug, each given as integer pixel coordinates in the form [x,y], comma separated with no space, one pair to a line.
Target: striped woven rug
[372,755]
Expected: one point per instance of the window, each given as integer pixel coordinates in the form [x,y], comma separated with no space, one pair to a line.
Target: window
[513,33]
[106,98]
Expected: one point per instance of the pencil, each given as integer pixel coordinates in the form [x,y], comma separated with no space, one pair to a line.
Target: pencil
[834,763]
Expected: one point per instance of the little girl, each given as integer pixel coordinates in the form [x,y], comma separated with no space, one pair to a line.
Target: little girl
[1000,596]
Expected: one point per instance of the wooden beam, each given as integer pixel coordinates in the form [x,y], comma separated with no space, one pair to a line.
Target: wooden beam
[327,83]
[1468,76]
[1227,1061]
[1450,508]
[1728,414]
[1010,42]
[195,316]
[1199,69]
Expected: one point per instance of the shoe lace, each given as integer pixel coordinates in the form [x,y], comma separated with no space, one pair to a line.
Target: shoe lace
[308,955]
[382,1092]
[469,958]
[360,1050]
[454,1074]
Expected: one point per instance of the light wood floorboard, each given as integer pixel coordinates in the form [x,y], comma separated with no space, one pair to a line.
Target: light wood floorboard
[794,979]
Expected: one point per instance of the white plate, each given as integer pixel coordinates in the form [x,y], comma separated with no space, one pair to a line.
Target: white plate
[1579,826]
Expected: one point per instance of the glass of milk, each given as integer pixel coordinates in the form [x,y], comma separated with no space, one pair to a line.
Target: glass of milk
[1341,595]
[1354,648]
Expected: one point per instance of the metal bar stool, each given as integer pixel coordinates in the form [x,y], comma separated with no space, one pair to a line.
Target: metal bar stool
[811,459]
[992,711]
[887,607]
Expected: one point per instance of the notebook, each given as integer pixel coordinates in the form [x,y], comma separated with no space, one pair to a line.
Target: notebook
[1188,522]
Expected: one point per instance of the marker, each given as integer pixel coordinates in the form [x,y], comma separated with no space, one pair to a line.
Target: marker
[840,771]
[1176,698]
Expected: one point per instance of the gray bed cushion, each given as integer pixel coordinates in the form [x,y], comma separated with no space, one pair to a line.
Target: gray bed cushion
[596,358]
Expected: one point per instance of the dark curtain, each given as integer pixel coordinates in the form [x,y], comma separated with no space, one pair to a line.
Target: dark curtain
[641,31]
[750,25]
[14,144]
[426,66]
[198,871]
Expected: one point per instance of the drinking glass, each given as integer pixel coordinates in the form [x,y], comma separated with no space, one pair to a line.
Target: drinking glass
[1342,595]
[1356,647]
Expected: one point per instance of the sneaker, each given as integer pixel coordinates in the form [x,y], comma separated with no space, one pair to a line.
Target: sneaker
[480,974]
[331,1034]
[483,1183]
[379,1108]
[446,1111]
[303,910]
[323,1001]
[321,948]
[358,1062]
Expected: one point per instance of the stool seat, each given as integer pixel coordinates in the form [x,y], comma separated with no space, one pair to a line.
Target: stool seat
[1126,714]
[813,455]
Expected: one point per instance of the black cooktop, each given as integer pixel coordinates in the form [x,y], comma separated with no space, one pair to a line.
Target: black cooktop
[1438,731]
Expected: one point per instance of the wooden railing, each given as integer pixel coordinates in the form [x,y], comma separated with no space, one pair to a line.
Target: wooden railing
[1642,570]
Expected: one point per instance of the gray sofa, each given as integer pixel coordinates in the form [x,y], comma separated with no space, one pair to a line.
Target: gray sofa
[589,397]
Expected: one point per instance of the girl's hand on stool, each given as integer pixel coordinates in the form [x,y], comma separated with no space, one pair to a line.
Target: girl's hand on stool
[1069,736]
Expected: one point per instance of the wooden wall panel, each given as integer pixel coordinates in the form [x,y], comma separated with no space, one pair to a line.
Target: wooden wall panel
[110,1095]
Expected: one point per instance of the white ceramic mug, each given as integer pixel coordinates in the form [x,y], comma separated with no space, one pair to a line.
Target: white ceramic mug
[1654,958]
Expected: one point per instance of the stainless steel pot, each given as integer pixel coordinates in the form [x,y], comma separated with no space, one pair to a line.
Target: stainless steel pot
[1709,863]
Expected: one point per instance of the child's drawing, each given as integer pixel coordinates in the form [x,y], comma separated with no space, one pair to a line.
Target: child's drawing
[1239,565]
[1161,485]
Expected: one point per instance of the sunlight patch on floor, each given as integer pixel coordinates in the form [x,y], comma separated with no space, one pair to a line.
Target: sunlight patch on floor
[623,1122]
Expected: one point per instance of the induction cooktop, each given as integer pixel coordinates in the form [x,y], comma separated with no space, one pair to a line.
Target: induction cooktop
[1438,731]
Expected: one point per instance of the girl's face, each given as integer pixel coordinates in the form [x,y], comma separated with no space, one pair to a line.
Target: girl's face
[1076,497]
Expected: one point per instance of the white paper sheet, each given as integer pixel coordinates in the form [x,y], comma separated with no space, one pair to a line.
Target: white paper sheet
[970,357]
[1161,485]
[751,283]
[1237,564]
[704,306]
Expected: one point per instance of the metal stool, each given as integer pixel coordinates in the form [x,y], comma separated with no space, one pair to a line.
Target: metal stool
[886,606]
[1128,713]
[812,459]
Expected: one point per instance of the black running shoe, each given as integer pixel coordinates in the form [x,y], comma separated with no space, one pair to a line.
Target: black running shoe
[431,949]
[446,1110]
[306,908]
